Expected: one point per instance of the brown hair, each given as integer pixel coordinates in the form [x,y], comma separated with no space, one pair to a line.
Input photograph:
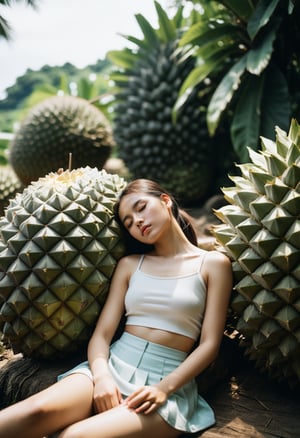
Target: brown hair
[152,188]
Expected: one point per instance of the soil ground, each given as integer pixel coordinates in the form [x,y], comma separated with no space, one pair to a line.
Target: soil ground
[247,403]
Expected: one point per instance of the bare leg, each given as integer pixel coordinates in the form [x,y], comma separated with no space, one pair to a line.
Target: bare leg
[50,410]
[121,422]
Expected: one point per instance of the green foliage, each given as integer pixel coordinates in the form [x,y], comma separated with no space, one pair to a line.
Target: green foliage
[179,153]
[52,79]
[5,28]
[55,128]
[35,86]
[249,51]
[3,148]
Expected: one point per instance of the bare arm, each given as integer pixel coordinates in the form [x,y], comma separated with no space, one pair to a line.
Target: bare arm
[219,287]
[218,274]
[106,394]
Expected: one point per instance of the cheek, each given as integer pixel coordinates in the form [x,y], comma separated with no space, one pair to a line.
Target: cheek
[133,232]
[165,216]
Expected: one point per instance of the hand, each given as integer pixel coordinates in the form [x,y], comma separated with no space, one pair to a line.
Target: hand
[106,394]
[146,399]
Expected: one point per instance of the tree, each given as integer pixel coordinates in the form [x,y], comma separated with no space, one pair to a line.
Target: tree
[5,28]
[249,51]
[35,86]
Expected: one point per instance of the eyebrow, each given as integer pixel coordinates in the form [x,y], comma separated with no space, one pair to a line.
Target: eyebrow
[134,206]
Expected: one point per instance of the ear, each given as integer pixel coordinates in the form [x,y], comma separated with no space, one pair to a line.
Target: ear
[166,199]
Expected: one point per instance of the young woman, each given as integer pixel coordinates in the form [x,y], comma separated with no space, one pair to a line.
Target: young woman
[142,385]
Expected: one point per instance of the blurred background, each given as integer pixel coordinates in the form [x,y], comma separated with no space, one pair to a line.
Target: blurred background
[59,31]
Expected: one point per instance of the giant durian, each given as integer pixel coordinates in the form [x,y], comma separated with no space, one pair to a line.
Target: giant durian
[176,152]
[261,234]
[59,244]
[55,128]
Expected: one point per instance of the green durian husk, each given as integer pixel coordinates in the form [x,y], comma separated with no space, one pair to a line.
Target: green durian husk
[59,246]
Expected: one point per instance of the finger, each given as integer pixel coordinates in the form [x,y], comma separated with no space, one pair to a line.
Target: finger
[144,407]
[120,397]
[152,408]
[106,403]
[134,401]
[101,405]
[135,394]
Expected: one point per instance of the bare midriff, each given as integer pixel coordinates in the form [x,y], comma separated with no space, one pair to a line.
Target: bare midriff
[163,337]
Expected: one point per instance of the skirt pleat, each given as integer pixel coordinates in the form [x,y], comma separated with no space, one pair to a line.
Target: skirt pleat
[135,362]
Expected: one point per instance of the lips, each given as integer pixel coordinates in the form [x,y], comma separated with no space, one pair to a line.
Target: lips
[145,229]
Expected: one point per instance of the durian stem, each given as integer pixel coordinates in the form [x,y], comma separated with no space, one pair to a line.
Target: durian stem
[70,161]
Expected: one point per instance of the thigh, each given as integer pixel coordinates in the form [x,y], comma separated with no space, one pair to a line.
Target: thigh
[64,403]
[67,401]
[50,410]
[121,422]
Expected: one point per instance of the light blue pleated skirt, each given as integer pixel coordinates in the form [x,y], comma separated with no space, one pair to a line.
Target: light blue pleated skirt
[135,362]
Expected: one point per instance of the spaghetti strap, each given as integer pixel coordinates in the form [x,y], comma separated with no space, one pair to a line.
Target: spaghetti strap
[140,262]
[201,263]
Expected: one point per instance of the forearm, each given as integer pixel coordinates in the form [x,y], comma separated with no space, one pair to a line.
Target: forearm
[98,354]
[192,366]
[106,393]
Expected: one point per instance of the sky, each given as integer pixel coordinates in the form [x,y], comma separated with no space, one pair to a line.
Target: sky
[75,31]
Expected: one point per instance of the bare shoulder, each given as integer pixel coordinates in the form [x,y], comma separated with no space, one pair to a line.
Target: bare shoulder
[217,257]
[128,264]
[218,273]
[216,261]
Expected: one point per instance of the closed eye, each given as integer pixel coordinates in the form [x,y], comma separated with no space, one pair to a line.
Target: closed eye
[127,224]
[141,207]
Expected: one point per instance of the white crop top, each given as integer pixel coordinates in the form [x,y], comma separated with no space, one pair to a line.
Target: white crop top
[175,304]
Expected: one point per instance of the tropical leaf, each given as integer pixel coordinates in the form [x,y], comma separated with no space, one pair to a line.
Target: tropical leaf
[118,77]
[194,33]
[8,2]
[138,42]
[85,88]
[246,121]
[63,84]
[150,34]
[223,94]
[261,16]
[202,34]
[275,107]
[241,9]
[259,57]
[178,17]
[216,43]
[228,45]
[122,58]
[167,29]
[257,33]
[207,65]
[291,6]
[5,28]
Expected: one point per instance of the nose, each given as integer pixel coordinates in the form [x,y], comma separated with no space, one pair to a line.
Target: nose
[138,220]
